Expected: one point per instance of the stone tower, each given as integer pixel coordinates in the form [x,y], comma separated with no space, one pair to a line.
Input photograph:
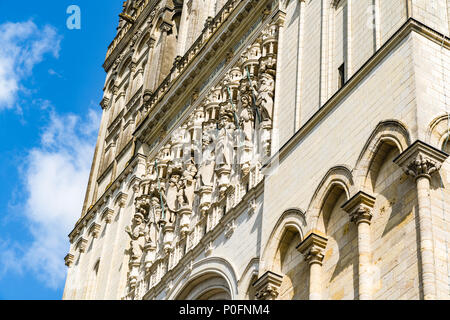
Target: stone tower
[264,149]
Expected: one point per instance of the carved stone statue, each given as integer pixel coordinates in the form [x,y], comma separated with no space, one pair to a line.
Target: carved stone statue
[188,186]
[224,147]
[265,96]
[139,236]
[207,164]
[246,115]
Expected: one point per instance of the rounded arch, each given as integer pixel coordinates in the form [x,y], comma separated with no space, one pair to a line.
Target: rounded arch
[338,178]
[109,83]
[386,136]
[438,133]
[208,277]
[291,221]
[141,44]
[128,58]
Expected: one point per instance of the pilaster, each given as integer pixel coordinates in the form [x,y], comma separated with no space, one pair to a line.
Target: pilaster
[313,247]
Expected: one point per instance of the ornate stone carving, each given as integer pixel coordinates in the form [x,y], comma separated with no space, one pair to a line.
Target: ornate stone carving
[69,260]
[81,245]
[139,235]
[267,287]
[229,229]
[313,247]
[219,148]
[209,249]
[121,199]
[107,215]
[421,160]
[94,230]
[360,207]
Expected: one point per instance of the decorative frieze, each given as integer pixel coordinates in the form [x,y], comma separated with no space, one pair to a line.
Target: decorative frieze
[217,151]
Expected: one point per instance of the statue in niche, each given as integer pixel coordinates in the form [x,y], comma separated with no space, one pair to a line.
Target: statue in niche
[225,145]
[246,115]
[172,196]
[186,197]
[207,161]
[265,96]
[139,236]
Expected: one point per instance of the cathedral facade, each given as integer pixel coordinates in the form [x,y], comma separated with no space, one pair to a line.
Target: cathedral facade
[270,149]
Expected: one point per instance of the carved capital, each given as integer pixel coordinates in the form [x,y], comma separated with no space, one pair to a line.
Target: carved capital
[94,230]
[121,199]
[151,42]
[267,287]
[313,247]
[165,26]
[359,207]
[69,260]
[421,160]
[105,103]
[229,229]
[81,245]
[107,215]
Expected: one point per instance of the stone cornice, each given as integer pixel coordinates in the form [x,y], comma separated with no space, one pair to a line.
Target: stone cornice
[411,25]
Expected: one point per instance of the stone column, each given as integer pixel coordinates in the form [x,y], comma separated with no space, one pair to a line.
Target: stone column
[267,286]
[359,207]
[421,161]
[147,92]
[313,249]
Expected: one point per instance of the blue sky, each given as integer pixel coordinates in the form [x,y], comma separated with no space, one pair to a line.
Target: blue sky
[51,83]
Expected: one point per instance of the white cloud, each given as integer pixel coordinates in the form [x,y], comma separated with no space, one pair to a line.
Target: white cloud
[55,179]
[23,45]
